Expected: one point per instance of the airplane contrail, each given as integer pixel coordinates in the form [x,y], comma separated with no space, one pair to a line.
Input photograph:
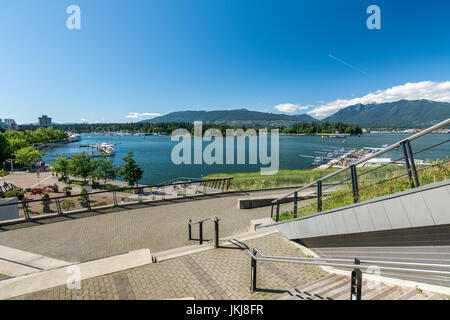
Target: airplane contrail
[347,64]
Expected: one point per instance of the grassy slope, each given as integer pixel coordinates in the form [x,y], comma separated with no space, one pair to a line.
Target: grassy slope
[289,178]
[440,171]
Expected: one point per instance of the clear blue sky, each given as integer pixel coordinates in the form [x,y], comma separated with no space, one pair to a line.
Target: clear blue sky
[148,56]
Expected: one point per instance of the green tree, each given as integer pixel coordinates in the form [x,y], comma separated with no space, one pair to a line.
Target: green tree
[83,199]
[81,166]
[130,170]
[105,170]
[4,148]
[27,156]
[61,166]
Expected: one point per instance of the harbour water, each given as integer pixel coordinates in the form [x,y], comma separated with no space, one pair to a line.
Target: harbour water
[153,153]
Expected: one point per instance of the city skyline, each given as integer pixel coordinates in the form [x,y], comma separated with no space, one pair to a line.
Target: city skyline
[133,61]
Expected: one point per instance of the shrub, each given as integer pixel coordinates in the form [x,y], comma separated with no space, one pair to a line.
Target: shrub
[79,183]
[35,191]
[55,188]
[67,190]
[83,199]
[67,205]
[3,172]
[99,204]
[19,193]
[45,203]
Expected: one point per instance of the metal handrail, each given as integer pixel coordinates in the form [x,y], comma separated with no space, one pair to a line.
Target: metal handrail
[355,265]
[123,189]
[364,261]
[213,218]
[376,154]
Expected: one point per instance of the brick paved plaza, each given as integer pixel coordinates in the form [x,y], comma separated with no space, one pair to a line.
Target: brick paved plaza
[222,273]
[159,226]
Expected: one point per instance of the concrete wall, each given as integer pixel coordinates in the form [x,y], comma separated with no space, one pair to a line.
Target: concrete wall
[9,212]
[413,225]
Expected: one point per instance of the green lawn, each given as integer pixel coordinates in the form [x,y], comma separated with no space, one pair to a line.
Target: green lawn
[370,189]
[291,178]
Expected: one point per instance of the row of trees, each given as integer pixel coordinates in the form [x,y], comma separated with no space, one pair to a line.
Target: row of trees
[98,169]
[19,145]
[138,127]
[145,127]
[322,127]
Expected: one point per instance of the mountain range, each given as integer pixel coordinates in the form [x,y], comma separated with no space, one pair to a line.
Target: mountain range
[238,117]
[398,114]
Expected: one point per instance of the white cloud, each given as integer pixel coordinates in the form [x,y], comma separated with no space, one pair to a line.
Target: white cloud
[430,90]
[136,115]
[290,107]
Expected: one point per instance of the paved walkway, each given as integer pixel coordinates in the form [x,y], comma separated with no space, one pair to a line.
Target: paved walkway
[83,237]
[25,180]
[213,274]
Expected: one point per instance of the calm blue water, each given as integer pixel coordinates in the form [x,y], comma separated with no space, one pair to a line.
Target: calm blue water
[153,153]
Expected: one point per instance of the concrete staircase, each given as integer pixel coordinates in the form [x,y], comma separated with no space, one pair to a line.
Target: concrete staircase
[337,287]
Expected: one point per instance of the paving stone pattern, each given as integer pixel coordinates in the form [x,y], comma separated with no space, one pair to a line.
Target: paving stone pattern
[222,273]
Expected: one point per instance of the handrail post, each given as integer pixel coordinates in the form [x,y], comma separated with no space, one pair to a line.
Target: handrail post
[200,228]
[253,271]
[319,196]
[354,183]
[271,211]
[295,204]
[278,211]
[115,198]
[58,207]
[25,210]
[356,283]
[190,229]
[88,202]
[408,168]
[216,232]
[413,164]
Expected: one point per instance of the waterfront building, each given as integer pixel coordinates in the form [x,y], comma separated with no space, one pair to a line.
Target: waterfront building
[45,121]
[10,124]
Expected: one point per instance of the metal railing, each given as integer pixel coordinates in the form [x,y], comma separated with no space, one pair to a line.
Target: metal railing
[356,264]
[67,203]
[409,162]
[200,229]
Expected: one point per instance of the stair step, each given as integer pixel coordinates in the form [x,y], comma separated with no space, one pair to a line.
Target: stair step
[317,282]
[398,292]
[408,295]
[338,285]
[384,293]
[325,285]
[344,293]
[301,292]
[436,296]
